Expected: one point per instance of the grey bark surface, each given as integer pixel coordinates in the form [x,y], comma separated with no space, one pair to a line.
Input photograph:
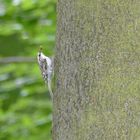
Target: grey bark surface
[97,67]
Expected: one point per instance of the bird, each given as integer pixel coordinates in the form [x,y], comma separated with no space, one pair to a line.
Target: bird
[46,68]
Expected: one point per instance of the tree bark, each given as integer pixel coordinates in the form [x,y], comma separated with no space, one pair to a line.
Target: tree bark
[97,68]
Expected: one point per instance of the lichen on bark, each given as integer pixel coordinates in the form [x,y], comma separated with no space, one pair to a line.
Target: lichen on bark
[97,67]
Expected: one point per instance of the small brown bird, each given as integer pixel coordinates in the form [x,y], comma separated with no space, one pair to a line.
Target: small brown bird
[46,67]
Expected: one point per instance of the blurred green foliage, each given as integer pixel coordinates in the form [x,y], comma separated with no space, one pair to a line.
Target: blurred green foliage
[25,105]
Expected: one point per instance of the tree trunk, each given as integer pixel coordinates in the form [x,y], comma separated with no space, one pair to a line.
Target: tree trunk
[97,68]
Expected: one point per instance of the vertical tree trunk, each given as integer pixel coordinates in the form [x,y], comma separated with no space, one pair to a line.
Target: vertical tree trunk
[97,66]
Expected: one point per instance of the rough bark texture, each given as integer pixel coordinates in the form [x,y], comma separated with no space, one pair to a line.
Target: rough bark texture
[97,66]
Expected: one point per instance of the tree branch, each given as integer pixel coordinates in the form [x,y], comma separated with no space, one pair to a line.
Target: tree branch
[18,59]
